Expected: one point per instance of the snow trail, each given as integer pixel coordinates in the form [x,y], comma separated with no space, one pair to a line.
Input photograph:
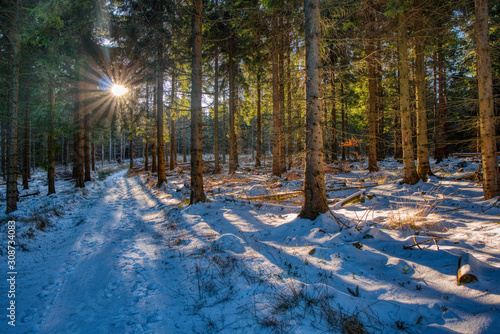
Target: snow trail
[105,277]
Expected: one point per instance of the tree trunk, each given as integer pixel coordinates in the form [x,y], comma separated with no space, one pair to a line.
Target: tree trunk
[131,136]
[233,142]
[154,152]
[184,149]
[277,127]
[160,145]
[51,138]
[86,146]
[333,138]
[281,71]
[78,137]
[197,193]
[344,121]
[148,123]
[92,151]
[258,156]
[26,143]
[3,147]
[379,92]
[410,173]
[216,111]
[423,167]
[314,177]
[289,109]
[224,127]
[372,107]
[440,152]
[486,107]
[172,122]
[12,191]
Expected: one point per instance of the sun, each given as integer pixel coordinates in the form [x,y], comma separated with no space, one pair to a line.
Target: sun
[119,90]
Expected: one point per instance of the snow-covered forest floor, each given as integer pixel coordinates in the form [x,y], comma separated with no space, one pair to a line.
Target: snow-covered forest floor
[122,256]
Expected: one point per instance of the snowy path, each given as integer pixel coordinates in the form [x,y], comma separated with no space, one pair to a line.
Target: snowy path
[104,275]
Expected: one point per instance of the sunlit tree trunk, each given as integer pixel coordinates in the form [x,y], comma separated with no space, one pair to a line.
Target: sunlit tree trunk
[372,108]
[216,111]
[131,134]
[333,139]
[154,149]
[314,176]
[160,144]
[486,107]
[343,121]
[289,108]
[258,156]
[423,167]
[440,151]
[379,92]
[172,122]
[277,128]
[51,138]
[410,173]
[233,141]
[281,76]
[147,137]
[197,193]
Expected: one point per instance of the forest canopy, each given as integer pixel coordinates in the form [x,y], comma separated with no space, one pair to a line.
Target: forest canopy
[89,83]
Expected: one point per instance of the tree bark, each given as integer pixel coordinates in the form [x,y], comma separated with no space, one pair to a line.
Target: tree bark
[277,127]
[12,191]
[216,110]
[86,146]
[172,122]
[92,151]
[440,151]
[154,149]
[343,121]
[197,193]
[148,124]
[233,141]
[184,149]
[372,108]
[51,139]
[423,167]
[410,173]
[258,156]
[333,138]
[379,91]
[289,108]
[314,177]
[160,145]
[281,71]
[26,143]
[486,107]
[78,136]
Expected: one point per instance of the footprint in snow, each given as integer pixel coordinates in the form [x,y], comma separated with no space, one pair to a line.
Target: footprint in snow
[28,315]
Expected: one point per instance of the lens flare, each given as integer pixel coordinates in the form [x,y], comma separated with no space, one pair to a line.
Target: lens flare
[119,90]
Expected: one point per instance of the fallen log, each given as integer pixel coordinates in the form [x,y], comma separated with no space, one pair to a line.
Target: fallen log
[275,197]
[32,194]
[357,197]
[476,176]
[350,188]
[466,272]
